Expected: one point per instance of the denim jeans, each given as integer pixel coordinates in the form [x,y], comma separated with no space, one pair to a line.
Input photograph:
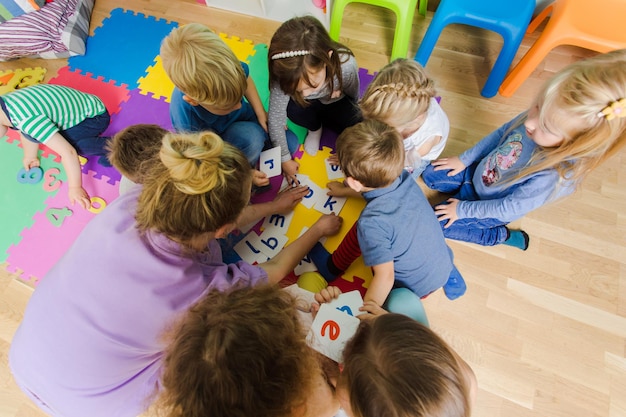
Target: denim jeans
[85,136]
[486,232]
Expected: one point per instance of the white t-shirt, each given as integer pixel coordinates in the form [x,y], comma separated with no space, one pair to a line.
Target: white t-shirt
[436,124]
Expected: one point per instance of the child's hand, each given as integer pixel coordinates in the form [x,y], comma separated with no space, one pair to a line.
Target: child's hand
[80,196]
[327,295]
[286,200]
[371,310]
[338,189]
[453,163]
[328,224]
[30,163]
[447,212]
[333,159]
[290,169]
[335,94]
[259,178]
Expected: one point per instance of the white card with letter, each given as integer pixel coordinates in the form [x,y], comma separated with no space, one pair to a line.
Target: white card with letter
[331,330]
[349,303]
[270,162]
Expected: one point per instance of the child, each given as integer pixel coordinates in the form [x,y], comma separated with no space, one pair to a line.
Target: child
[396,231]
[395,366]
[211,84]
[243,353]
[64,119]
[402,96]
[135,148]
[96,350]
[574,124]
[314,82]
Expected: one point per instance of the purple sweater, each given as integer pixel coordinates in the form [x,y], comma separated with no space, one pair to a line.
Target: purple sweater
[91,342]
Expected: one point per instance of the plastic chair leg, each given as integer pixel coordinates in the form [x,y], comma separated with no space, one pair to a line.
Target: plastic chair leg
[500,67]
[336,17]
[423,4]
[402,36]
[428,42]
[524,68]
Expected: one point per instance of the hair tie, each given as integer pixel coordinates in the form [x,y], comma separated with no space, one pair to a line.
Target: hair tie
[290,54]
[613,110]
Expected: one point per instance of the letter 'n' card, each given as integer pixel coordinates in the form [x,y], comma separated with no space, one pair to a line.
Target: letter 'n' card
[331,330]
[270,162]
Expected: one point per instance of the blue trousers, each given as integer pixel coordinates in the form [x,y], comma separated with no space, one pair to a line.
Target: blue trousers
[486,232]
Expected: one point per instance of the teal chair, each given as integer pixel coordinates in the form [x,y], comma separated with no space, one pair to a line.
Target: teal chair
[509,18]
[404,10]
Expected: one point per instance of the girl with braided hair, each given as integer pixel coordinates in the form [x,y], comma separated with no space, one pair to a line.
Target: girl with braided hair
[403,97]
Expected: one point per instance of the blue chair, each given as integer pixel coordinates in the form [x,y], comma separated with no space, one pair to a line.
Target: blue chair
[509,18]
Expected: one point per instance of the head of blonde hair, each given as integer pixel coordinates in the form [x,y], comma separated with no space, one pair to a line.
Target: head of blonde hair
[570,102]
[239,353]
[201,184]
[304,33]
[132,149]
[371,152]
[202,66]
[398,94]
[395,366]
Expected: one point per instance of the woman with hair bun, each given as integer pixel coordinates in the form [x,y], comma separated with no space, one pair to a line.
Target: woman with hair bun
[90,343]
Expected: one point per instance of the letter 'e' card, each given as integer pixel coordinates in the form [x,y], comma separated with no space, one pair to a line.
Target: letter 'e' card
[331,330]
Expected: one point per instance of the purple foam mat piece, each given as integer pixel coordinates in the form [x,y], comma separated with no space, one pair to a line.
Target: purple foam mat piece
[140,108]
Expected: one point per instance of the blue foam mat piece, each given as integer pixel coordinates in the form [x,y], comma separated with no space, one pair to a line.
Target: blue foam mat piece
[123,47]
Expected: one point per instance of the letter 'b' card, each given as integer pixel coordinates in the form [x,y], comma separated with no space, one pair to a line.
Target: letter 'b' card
[330,331]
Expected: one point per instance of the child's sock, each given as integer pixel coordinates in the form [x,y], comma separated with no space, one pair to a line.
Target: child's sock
[518,239]
[324,263]
[312,141]
[455,287]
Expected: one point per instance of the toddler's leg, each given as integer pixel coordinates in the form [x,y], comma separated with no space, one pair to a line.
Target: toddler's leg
[486,232]
[405,301]
[312,141]
[518,239]
[85,136]
[440,181]
[331,266]
[308,117]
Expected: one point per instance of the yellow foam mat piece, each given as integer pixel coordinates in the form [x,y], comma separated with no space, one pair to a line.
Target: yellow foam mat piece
[315,168]
[19,78]
[156,82]
[243,49]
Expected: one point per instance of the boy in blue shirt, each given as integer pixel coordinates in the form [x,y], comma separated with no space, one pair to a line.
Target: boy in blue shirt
[397,232]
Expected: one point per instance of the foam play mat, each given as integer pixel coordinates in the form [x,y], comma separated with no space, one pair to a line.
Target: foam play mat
[122,66]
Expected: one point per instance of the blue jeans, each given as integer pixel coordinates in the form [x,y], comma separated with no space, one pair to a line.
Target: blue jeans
[486,232]
[251,139]
[405,301]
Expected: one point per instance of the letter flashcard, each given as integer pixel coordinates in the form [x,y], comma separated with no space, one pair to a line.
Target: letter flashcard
[349,303]
[315,194]
[278,222]
[270,162]
[305,265]
[333,171]
[272,241]
[330,204]
[249,249]
[330,331]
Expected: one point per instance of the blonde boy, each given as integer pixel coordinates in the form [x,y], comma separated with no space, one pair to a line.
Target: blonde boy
[211,84]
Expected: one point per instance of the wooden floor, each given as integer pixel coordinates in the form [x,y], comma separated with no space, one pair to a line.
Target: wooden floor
[544,330]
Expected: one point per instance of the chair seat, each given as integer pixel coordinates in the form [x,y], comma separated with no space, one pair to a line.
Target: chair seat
[508,18]
[598,26]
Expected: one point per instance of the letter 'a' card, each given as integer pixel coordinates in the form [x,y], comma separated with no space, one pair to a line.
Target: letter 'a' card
[330,331]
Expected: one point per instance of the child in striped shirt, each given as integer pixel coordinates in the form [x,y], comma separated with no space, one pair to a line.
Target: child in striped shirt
[66,120]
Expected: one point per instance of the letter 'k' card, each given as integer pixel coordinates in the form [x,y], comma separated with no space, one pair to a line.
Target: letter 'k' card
[270,163]
[331,330]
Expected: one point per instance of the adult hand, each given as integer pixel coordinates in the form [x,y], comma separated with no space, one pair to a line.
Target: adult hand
[453,164]
[447,212]
[286,200]
[290,169]
[80,196]
[328,224]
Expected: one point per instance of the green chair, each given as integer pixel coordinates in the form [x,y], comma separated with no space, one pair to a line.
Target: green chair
[404,10]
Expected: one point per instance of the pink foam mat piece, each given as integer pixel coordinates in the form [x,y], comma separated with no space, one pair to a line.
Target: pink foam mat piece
[111,95]
[47,242]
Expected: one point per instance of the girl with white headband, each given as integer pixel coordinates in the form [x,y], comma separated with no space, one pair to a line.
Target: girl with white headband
[314,82]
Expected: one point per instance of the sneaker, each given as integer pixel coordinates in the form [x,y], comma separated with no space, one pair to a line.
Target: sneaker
[455,287]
